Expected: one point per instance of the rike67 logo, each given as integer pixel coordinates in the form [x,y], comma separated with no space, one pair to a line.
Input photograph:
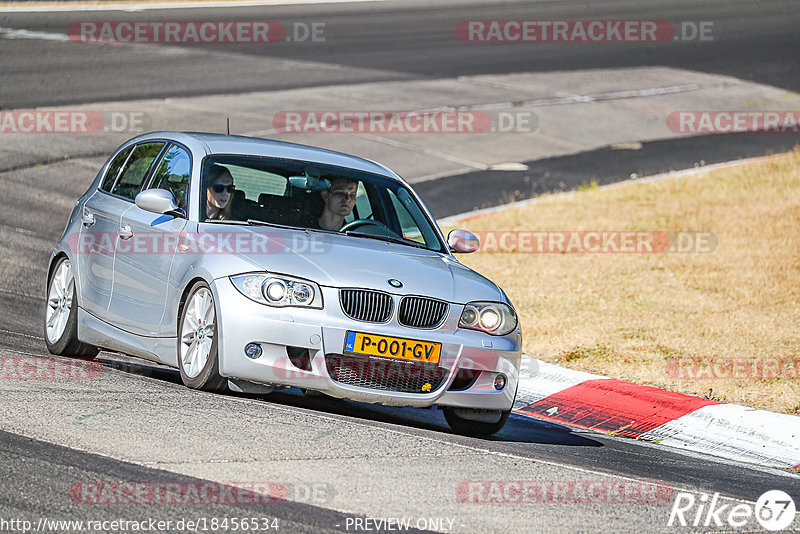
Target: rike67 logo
[774,510]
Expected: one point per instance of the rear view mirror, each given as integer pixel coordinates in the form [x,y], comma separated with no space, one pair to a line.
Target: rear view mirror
[309,183]
[462,241]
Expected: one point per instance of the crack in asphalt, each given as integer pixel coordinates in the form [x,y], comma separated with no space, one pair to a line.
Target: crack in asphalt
[3,331]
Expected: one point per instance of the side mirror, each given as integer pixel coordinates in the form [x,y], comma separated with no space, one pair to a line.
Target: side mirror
[159,201]
[462,241]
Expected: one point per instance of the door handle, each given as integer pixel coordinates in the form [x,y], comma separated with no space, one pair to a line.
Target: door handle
[87,218]
[125,232]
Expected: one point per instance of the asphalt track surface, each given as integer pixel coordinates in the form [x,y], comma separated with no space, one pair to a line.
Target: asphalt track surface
[412,40]
[604,166]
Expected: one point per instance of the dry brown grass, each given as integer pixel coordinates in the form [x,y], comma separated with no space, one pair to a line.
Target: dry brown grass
[633,316]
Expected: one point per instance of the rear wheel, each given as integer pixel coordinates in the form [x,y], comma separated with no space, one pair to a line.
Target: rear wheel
[61,315]
[471,427]
[197,342]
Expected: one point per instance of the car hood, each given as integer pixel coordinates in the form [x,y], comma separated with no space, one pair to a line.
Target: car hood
[337,260]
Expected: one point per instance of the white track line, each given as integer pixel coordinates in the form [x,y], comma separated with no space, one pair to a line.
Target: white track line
[27,7]
[13,33]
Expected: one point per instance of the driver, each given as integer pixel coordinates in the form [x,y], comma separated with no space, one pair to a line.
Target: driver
[339,198]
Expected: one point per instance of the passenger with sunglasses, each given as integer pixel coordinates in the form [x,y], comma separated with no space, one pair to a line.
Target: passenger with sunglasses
[219,194]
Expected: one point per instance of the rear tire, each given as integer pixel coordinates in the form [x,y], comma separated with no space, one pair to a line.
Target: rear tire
[61,315]
[474,428]
[198,360]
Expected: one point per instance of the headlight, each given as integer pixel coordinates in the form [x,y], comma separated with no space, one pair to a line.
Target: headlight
[278,290]
[493,318]
[274,289]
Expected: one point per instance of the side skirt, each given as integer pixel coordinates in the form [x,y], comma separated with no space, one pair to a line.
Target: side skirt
[101,334]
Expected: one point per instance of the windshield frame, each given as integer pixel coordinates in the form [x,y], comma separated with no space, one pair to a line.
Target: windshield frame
[373,183]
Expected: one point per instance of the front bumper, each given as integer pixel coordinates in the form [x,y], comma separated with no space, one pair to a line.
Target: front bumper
[320,332]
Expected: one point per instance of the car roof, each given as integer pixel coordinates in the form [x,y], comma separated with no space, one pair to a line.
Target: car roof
[254,146]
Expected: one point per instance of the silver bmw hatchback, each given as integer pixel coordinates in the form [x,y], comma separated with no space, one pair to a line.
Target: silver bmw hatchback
[253,265]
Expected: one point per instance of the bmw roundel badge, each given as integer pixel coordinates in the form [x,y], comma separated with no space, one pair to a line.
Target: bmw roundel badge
[395,283]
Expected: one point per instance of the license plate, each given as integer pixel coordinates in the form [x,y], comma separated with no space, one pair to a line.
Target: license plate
[392,347]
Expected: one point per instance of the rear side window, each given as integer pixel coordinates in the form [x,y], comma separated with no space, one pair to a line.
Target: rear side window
[113,169]
[136,169]
[173,173]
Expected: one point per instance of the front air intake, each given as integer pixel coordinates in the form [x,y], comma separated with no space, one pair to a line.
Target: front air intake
[385,375]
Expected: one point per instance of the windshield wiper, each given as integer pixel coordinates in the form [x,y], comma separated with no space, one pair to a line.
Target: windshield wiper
[222,221]
[388,238]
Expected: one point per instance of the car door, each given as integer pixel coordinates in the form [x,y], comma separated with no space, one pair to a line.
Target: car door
[146,249]
[100,218]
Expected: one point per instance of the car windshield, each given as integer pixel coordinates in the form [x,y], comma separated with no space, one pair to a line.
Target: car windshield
[315,197]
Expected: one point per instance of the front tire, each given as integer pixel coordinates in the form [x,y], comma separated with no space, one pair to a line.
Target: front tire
[61,315]
[474,428]
[198,360]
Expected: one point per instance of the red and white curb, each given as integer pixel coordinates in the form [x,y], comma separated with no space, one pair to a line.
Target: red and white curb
[631,410]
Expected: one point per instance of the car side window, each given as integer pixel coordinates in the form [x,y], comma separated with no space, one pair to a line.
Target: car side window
[113,169]
[136,169]
[173,173]
[363,208]
[411,218]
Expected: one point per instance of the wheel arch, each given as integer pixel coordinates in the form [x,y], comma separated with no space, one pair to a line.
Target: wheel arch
[75,346]
[62,251]
[57,256]
[185,295]
[220,383]
[53,261]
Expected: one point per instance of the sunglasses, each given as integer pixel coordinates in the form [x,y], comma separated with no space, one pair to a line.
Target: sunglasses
[219,188]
